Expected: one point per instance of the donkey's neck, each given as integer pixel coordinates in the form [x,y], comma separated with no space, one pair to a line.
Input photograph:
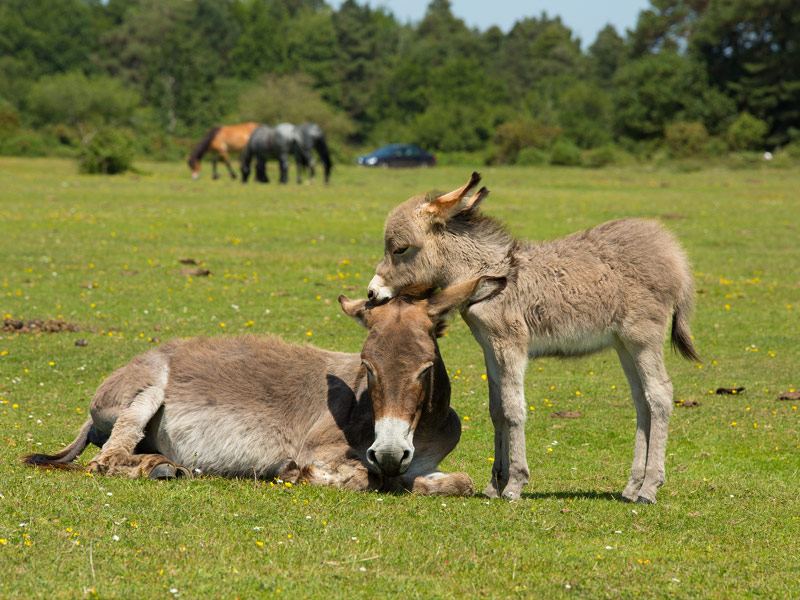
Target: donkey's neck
[475,246]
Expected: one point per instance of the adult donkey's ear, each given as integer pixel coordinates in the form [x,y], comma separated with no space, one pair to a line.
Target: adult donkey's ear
[355,308]
[468,292]
[445,206]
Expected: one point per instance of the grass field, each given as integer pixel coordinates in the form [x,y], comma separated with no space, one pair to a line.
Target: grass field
[103,252]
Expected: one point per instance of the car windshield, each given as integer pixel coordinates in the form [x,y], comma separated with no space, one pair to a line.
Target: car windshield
[387,151]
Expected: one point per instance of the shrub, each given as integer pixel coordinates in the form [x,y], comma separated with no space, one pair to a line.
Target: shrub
[686,139]
[716,146]
[747,132]
[600,157]
[510,138]
[25,142]
[109,151]
[9,115]
[531,156]
[565,153]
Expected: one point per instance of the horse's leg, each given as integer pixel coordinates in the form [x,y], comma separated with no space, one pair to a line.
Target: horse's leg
[311,165]
[117,456]
[224,157]
[244,164]
[658,402]
[283,158]
[214,174]
[261,170]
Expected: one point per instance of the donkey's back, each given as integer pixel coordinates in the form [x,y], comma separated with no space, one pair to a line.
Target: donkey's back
[625,278]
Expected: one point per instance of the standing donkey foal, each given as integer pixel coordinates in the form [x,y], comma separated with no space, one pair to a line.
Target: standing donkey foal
[255,406]
[617,285]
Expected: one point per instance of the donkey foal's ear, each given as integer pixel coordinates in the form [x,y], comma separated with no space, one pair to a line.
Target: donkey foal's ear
[486,288]
[445,206]
[354,308]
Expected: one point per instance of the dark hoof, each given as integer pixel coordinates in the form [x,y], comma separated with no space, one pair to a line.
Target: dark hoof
[643,500]
[165,471]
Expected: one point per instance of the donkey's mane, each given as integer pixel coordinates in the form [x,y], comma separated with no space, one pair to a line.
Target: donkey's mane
[480,226]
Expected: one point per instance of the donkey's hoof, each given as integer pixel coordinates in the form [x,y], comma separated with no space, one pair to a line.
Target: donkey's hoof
[164,471]
[643,500]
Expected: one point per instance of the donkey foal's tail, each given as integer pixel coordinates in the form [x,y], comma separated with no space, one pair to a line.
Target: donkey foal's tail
[681,337]
[64,458]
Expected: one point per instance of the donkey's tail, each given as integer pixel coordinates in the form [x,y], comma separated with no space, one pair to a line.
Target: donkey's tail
[64,458]
[681,337]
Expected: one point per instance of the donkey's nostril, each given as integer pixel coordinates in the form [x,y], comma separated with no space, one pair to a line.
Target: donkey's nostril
[371,456]
[406,454]
[370,294]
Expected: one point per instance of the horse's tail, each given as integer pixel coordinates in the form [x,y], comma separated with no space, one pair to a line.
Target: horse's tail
[321,147]
[681,337]
[201,148]
[64,458]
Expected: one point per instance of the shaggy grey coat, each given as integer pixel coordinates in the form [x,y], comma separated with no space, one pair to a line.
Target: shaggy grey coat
[617,285]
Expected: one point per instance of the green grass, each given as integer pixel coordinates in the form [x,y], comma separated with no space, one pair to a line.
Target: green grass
[103,252]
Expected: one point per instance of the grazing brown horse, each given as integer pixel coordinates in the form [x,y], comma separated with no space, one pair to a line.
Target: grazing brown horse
[253,406]
[219,141]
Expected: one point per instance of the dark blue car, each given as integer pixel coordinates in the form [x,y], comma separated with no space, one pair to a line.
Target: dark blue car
[397,155]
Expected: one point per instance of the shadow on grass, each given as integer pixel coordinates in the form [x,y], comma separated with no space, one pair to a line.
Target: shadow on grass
[588,495]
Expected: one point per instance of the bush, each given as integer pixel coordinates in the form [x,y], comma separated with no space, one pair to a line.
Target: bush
[108,152]
[565,153]
[686,139]
[9,116]
[511,138]
[747,132]
[716,146]
[531,156]
[600,157]
[745,160]
[25,142]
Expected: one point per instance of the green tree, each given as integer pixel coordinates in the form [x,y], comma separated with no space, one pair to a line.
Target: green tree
[606,55]
[658,89]
[292,98]
[172,52]
[367,41]
[751,50]
[81,102]
[667,26]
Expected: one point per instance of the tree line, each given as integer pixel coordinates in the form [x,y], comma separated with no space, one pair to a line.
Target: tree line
[692,77]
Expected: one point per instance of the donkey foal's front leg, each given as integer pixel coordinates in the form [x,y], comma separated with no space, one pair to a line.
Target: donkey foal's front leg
[506,373]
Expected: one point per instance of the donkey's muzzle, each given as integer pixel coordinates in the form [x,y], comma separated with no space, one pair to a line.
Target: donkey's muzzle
[393,449]
[390,463]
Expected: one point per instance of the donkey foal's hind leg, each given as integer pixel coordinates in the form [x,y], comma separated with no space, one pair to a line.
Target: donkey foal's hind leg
[658,395]
[117,456]
[631,491]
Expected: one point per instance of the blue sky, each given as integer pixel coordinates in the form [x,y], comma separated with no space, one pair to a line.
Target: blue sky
[584,17]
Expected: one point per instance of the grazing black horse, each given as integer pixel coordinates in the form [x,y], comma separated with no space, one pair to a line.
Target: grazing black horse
[310,137]
[265,143]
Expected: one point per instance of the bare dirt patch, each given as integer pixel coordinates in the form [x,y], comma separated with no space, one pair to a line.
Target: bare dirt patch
[38,326]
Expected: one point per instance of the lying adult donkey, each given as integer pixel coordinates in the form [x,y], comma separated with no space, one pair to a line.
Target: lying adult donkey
[619,285]
[255,406]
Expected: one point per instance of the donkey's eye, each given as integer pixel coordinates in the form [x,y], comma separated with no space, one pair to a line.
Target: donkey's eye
[400,251]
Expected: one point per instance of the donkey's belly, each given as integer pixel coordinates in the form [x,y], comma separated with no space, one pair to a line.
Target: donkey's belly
[221,442]
[575,345]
